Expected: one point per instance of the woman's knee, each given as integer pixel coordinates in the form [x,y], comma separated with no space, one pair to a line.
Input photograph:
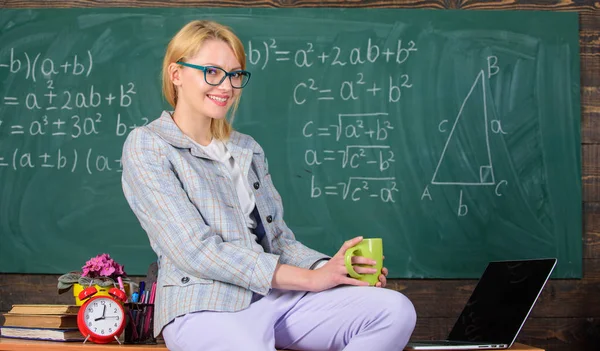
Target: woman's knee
[395,308]
[403,311]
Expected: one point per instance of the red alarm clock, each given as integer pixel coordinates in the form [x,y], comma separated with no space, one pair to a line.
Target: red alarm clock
[101,318]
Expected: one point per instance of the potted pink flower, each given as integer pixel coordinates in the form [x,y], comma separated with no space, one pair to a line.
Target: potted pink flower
[102,266]
[101,271]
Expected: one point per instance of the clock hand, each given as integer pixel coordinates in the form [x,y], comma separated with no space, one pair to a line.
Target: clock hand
[102,317]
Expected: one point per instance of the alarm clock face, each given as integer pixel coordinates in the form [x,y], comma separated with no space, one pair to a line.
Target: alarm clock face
[104,317]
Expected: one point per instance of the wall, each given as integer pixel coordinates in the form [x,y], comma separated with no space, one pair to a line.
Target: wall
[567,316]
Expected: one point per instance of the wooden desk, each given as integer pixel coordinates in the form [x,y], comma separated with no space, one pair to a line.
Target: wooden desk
[7,344]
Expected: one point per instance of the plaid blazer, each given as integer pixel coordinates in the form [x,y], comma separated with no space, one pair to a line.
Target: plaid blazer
[188,206]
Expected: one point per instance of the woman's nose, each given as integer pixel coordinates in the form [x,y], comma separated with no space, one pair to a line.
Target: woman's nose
[226,84]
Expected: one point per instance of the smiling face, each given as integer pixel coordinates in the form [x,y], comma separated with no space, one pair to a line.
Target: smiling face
[196,97]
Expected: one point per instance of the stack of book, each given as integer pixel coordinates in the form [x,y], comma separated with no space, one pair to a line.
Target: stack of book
[42,322]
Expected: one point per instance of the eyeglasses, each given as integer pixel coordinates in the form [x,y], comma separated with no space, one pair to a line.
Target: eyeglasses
[216,75]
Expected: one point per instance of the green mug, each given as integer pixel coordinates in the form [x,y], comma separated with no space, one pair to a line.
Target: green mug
[370,248]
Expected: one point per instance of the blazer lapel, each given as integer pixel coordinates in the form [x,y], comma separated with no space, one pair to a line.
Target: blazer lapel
[242,156]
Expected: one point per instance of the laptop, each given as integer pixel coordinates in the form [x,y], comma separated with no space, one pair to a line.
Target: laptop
[497,308]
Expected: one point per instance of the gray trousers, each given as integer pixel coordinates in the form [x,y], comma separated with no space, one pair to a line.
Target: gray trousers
[344,318]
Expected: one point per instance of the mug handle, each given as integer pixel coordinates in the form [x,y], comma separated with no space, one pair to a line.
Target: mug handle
[349,268]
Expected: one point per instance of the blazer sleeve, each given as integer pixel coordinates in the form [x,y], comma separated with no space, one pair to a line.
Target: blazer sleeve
[174,225]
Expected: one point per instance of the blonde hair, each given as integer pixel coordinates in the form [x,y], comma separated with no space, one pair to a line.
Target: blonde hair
[185,45]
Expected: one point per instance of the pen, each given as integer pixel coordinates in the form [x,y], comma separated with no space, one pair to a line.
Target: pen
[138,316]
[132,325]
[142,286]
[141,324]
[121,286]
[135,297]
[148,317]
[152,293]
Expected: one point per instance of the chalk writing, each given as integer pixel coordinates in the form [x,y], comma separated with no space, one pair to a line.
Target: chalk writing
[362,138]
[46,110]
[262,53]
[485,175]
[34,64]
[89,160]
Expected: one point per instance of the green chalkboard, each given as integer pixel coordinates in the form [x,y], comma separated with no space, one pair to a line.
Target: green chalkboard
[453,135]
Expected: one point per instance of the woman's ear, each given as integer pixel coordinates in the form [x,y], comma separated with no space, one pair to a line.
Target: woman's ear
[174,72]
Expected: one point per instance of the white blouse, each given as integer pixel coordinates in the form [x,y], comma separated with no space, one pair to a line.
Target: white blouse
[217,151]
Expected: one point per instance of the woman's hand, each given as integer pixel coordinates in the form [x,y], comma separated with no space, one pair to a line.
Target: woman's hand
[382,277]
[334,273]
[330,275]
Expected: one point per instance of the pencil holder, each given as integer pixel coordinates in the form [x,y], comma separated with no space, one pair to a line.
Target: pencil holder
[140,323]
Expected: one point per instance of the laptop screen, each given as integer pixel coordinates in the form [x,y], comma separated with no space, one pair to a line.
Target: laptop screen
[501,301]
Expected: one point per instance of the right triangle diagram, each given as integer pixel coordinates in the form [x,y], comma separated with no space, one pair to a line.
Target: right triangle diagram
[466,158]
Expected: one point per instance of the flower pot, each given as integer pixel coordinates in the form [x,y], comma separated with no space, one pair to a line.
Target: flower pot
[102,290]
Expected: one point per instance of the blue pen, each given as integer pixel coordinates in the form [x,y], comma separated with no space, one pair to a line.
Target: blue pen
[135,297]
[142,286]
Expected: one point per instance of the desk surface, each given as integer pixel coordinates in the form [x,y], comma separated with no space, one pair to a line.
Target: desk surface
[7,344]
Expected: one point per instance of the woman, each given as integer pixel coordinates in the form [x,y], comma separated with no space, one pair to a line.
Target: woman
[231,274]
